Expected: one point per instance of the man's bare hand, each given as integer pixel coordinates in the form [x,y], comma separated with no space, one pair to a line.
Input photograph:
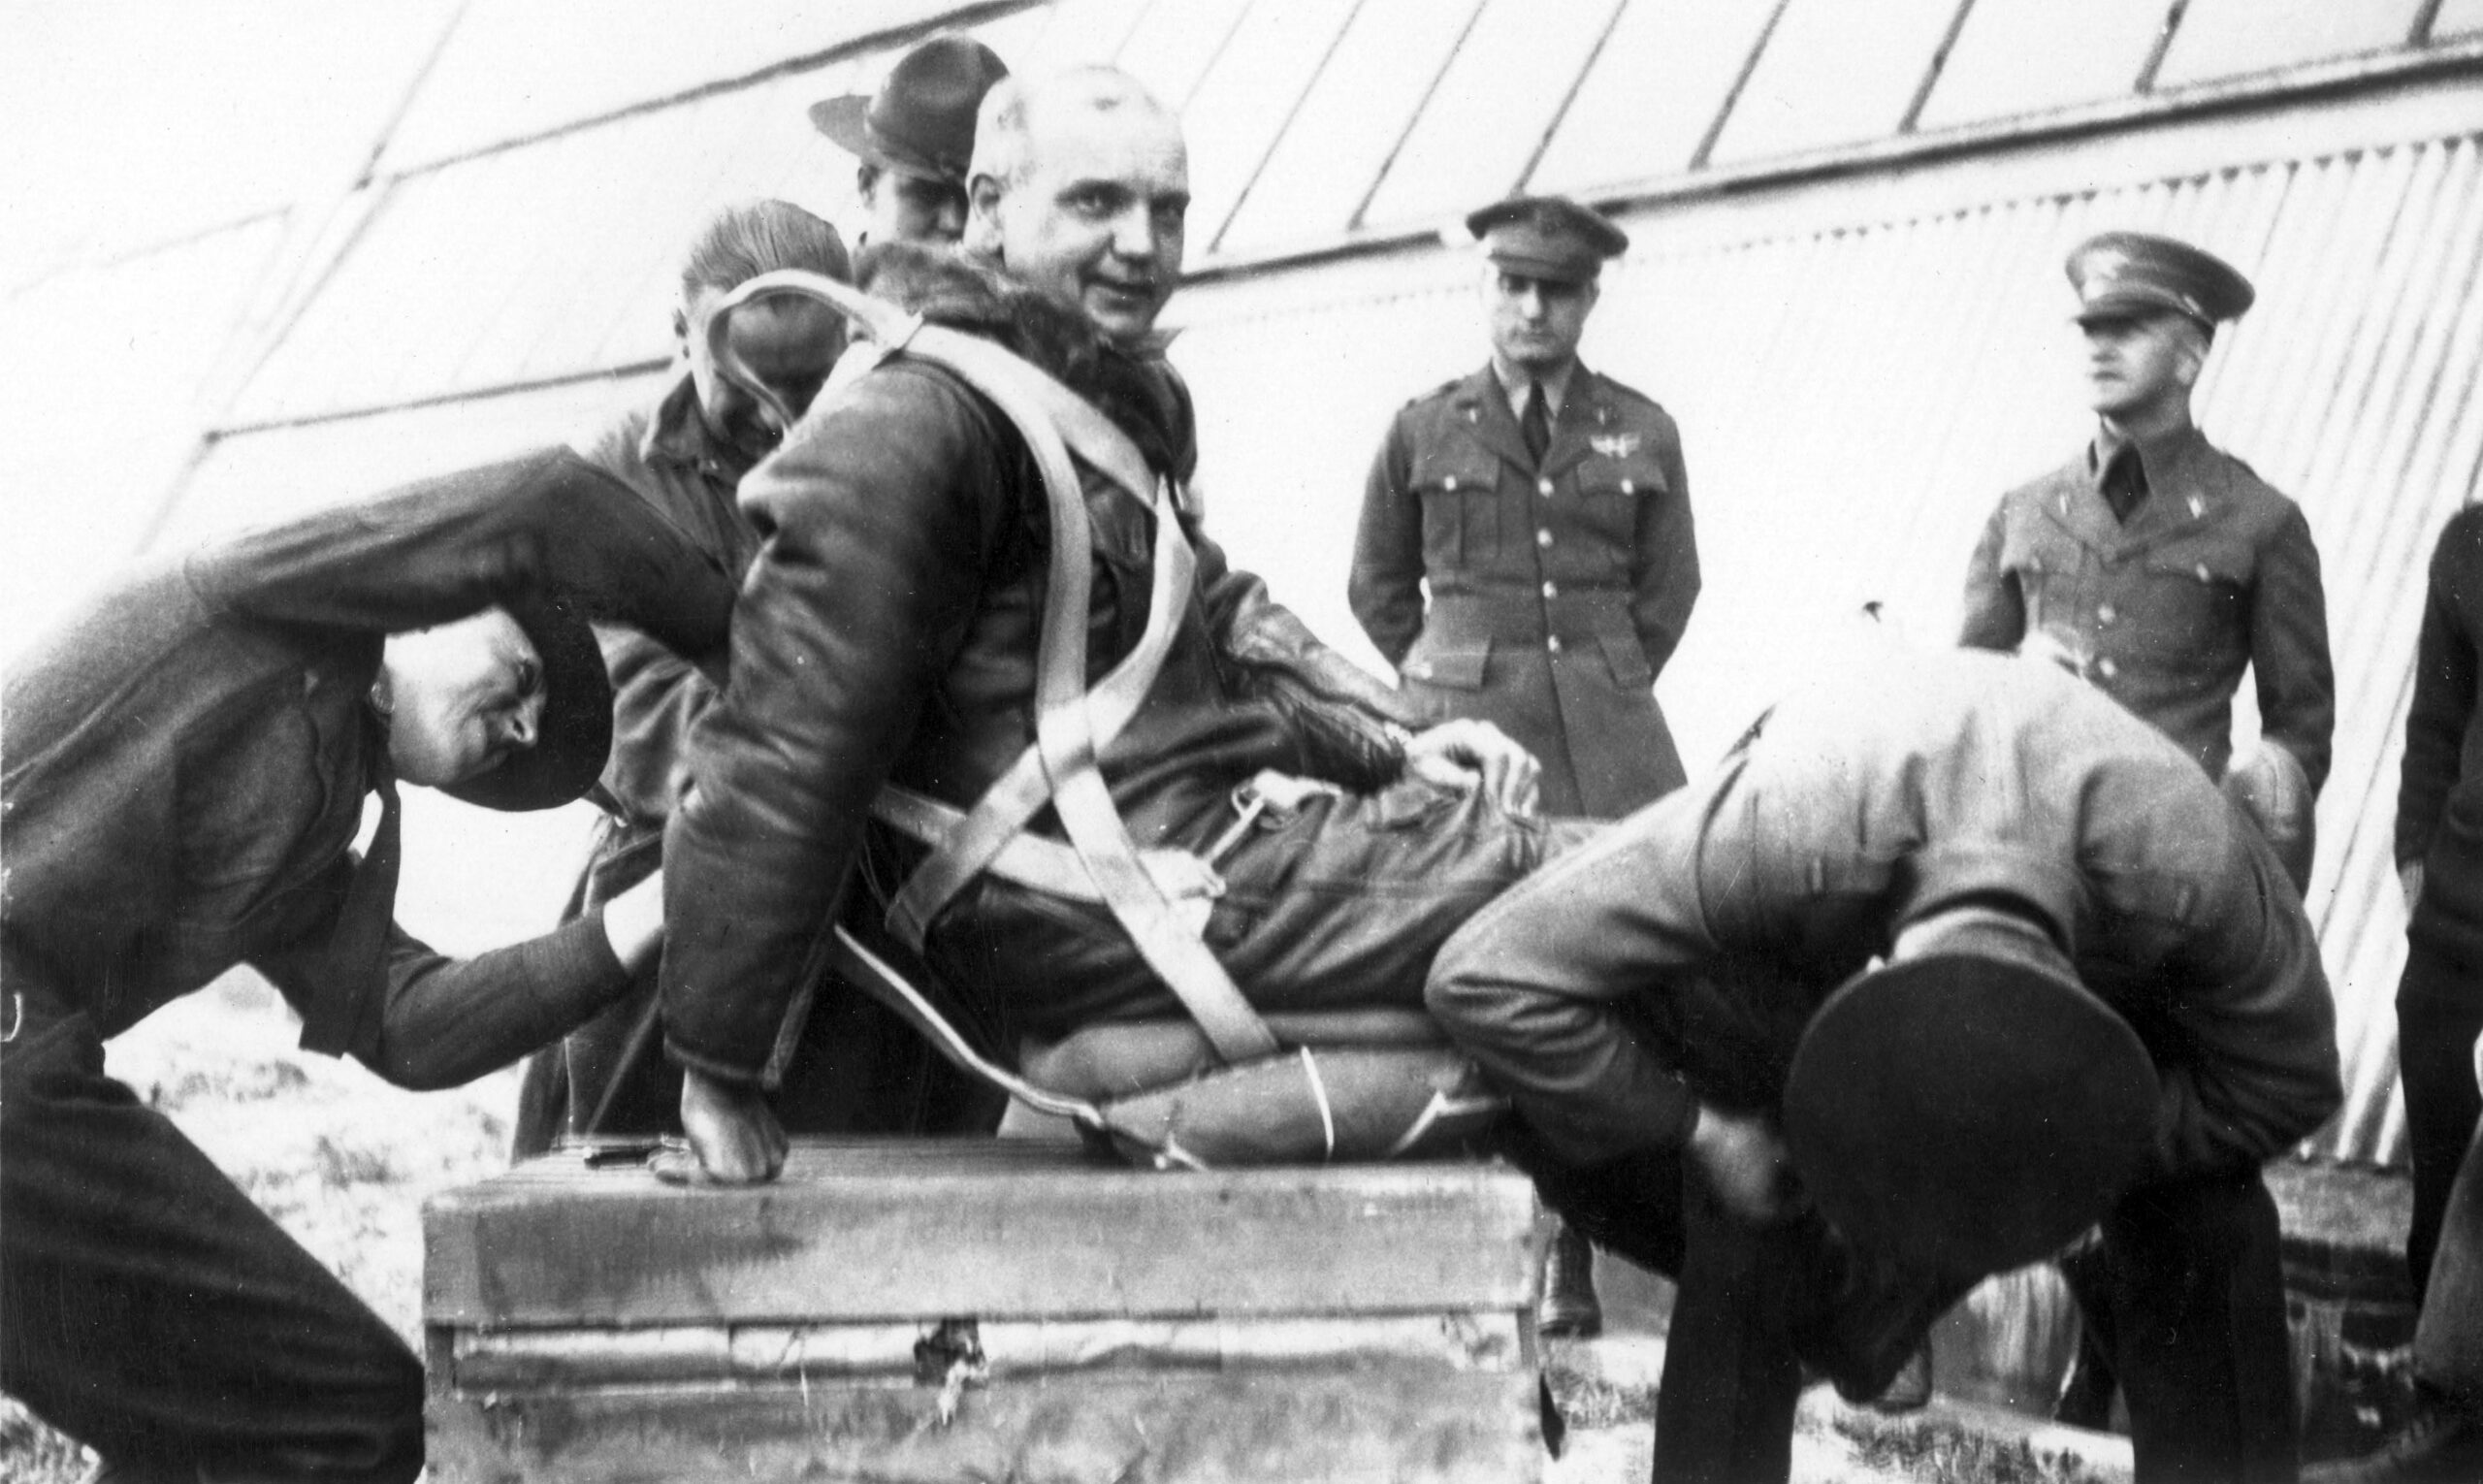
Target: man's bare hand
[1747,1166]
[732,1130]
[1465,755]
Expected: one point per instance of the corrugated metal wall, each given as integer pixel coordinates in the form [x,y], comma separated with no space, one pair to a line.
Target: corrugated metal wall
[1864,349]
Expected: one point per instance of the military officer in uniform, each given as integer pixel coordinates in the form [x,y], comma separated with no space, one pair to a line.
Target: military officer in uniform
[2162,567]
[1547,509]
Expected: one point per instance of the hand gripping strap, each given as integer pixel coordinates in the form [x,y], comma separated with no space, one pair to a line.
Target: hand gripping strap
[1062,763]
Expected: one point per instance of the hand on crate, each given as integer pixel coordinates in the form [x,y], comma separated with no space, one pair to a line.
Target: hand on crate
[734,1137]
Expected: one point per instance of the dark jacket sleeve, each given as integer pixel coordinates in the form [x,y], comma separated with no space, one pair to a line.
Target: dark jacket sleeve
[657,698]
[2445,691]
[445,548]
[449,1021]
[1995,616]
[878,515]
[1664,574]
[1385,590]
[2289,649]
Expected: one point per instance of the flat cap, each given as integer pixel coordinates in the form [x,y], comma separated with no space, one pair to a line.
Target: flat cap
[1547,237]
[923,120]
[2121,274]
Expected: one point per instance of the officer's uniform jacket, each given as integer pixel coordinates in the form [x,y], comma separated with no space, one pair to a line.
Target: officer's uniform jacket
[2214,571]
[1554,596]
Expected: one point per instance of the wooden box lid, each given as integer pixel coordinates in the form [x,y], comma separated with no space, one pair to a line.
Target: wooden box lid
[864,1230]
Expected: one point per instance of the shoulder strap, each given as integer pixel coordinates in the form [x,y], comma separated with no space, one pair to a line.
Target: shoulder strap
[1071,724]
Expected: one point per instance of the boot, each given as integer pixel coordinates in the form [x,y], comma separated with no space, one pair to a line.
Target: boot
[1570,1309]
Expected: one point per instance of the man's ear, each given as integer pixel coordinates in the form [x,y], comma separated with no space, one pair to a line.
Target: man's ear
[984,193]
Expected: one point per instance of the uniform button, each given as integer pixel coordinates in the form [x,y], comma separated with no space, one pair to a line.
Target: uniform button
[1450,483]
[2108,667]
[1543,537]
[2204,574]
[1627,488]
[1551,591]
[2106,614]
[1543,487]
[1553,644]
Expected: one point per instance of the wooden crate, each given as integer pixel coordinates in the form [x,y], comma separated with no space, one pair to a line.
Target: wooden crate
[898,1309]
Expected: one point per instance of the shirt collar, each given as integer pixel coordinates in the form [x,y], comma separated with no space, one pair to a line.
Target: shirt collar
[2154,455]
[676,434]
[1555,387]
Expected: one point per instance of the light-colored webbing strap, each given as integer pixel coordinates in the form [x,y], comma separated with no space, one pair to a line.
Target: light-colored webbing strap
[1047,415]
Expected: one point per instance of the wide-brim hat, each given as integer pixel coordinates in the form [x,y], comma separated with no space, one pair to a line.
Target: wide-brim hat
[922,118]
[1969,1111]
[574,737]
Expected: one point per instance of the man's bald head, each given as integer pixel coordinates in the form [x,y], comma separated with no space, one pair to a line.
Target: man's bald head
[1079,186]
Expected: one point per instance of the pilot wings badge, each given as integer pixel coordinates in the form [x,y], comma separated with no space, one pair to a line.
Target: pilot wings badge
[1616,445]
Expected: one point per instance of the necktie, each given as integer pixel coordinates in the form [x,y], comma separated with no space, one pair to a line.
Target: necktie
[1536,424]
[2124,483]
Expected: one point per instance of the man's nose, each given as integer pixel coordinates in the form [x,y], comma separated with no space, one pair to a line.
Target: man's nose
[1134,234]
[525,723]
[1530,302]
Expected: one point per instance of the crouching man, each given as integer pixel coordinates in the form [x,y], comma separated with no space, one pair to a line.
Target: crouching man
[1643,998]
[189,761]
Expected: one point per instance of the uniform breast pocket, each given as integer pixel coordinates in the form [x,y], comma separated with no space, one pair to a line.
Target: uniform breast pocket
[2189,601]
[1459,498]
[2043,558]
[1610,494]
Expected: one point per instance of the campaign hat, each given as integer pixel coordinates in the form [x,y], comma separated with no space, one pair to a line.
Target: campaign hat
[2124,274]
[922,118]
[574,737]
[1546,236]
[1970,1108]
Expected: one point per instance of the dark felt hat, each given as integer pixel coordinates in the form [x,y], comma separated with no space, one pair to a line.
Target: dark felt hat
[1547,237]
[922,118]
[1972,1109]
[2120,274]
[575,736]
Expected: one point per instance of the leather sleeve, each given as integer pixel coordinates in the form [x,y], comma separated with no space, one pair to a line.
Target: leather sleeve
[2289,649]
[1664,567]
[2444,693]
[1385,589]
[1995,616]
[878,514]
[1349,723]
[657,698]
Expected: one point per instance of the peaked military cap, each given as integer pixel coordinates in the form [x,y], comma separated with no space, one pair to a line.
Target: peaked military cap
[2121,274]
[923,120]
[1547,237]
[1971,1109]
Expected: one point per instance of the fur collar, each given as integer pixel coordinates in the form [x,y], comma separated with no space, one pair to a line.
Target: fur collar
[1142,395]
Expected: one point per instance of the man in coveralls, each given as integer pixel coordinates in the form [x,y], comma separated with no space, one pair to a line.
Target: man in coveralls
[1642,996]
[1534,495]
[188,760]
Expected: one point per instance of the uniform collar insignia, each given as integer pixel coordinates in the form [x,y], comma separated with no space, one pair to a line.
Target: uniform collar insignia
[1614,445]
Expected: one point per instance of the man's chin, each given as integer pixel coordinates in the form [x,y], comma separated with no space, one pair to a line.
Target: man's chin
[1121,316]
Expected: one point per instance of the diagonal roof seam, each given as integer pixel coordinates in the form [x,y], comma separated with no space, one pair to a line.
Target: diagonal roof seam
[886,38]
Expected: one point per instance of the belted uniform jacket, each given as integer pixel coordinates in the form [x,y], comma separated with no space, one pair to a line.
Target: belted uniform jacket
[1869,801]
[1556,594]
[888,629]
[2214,572]
[189,757]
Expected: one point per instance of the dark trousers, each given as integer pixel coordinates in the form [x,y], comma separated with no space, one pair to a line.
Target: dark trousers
[155,1315]
[2448,1338]
[2185,1292]
[2439,1015]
